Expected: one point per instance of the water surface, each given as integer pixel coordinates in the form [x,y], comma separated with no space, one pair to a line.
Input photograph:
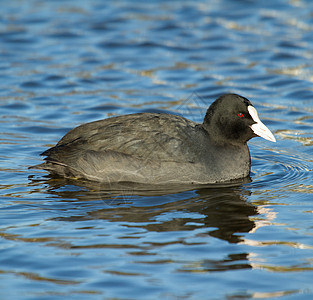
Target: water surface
[64,63]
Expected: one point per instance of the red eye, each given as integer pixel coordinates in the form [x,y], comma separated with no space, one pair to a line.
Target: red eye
[240,115]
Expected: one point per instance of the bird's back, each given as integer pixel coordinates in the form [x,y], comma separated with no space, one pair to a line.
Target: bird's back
[139,147]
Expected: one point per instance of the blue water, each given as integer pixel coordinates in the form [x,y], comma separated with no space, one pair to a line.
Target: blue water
[64,63]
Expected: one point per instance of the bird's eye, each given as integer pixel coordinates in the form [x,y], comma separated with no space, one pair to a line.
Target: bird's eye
[240,115]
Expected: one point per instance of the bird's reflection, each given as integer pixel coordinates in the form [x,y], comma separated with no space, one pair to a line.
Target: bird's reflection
[223,210]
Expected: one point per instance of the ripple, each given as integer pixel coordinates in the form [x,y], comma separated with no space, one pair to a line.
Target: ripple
[32,84]
[280,168]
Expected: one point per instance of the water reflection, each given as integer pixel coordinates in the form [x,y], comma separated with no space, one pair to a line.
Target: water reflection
[224,211]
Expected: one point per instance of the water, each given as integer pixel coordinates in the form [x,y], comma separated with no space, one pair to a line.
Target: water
[64,63]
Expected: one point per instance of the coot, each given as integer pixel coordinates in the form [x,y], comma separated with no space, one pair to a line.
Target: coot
[159,148]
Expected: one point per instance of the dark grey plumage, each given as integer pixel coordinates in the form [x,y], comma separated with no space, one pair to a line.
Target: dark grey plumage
[156,148]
